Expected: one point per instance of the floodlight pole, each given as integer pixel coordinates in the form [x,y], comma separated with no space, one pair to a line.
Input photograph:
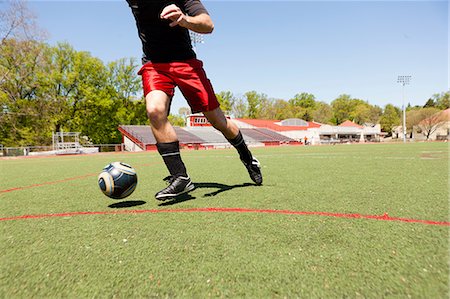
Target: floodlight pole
[404,80]
[196,38]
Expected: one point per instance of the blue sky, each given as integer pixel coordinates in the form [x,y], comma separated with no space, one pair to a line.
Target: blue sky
[282,48]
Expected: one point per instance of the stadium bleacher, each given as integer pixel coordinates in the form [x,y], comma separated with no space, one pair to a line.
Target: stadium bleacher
[265,135]
[203,137]
[207,134]
[276,136]
[143,134]
[186,137]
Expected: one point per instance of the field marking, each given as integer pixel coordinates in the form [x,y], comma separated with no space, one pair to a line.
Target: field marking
[384,217]
[325,156]
[65,180]
[48,183]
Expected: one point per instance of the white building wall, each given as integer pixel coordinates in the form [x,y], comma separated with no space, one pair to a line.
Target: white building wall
[130,146]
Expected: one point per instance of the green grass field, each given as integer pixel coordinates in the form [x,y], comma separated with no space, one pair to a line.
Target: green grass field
[197,254]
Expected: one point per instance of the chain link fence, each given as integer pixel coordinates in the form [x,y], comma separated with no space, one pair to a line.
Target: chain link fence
[48,150]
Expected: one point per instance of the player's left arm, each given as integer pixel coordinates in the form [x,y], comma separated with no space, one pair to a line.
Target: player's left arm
[201,23]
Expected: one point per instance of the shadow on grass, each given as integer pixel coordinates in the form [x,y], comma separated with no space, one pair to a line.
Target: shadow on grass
[127,204]
[221,188]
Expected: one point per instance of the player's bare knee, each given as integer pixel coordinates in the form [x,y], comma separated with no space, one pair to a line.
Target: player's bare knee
[156,115]
[157,103]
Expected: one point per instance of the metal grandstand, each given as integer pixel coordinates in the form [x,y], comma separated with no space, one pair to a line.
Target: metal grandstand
[266,136]
[138,138]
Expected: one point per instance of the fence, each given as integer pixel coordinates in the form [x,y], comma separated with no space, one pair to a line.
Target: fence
[33,150]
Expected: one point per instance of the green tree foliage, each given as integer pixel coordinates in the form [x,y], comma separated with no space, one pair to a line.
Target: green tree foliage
[365,113]
[226,100]
[282,110]
[356,110]
[442,100]
[390,118]
[323,113]
[303,106]
[239,109]
[430,103]
[256,102]
[177,120]
[342,107]
[24,121]
[47,89]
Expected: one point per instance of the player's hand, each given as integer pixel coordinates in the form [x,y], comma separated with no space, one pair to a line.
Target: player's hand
[174,13]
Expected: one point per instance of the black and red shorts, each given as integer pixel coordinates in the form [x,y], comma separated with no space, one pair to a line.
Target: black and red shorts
[189,76]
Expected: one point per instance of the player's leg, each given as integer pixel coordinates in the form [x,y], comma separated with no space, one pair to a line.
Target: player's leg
[232,133]
[198,91]
[158,104]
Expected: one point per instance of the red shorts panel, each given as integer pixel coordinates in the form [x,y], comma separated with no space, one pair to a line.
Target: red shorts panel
[189,76]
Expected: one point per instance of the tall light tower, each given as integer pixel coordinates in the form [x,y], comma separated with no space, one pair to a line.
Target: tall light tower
[196,38]
[404,80]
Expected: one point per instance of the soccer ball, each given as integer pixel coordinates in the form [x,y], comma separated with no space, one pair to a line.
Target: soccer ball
[117,180]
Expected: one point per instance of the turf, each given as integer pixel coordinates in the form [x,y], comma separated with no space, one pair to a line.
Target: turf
[224,254]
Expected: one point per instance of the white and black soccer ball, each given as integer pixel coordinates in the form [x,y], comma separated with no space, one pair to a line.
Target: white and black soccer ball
[117,180]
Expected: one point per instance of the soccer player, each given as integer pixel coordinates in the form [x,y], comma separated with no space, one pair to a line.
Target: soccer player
[170,61]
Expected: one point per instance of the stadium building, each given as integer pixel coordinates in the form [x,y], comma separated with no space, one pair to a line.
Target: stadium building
[199,133]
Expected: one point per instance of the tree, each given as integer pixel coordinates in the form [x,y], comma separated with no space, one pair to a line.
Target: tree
[226,100]
[363,113]
[19,23]
[26,120]
[430,103]
[282,110]
[442,100]
[265,109]
[323,113]
[390,118]
[254,103]
[184,112]
[431,120]
[304,100]
[73,79]
[54,88]
[177,120]
[413,118]
[304,105]
[121,77]
[342,108]
[239,108]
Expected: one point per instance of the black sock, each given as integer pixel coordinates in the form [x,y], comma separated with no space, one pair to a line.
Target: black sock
[170,152]
[239,143]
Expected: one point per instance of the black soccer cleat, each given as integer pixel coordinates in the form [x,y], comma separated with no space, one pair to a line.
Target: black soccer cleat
[177,186]
[254,170]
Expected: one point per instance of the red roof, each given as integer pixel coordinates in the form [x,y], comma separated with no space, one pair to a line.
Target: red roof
[349,123]
[272,125]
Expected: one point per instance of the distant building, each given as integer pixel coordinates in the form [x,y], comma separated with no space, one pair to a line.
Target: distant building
[198,120]
[438,124]
[317,133]
[199,133]
[439,131]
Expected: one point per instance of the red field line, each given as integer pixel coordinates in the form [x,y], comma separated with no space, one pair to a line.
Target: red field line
[64,180]
[384,217]
[47,183]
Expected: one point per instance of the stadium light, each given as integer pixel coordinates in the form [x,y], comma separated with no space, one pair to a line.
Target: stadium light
[196,38]
[404,80]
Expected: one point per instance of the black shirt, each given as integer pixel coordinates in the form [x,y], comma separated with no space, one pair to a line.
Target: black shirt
[160,42]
